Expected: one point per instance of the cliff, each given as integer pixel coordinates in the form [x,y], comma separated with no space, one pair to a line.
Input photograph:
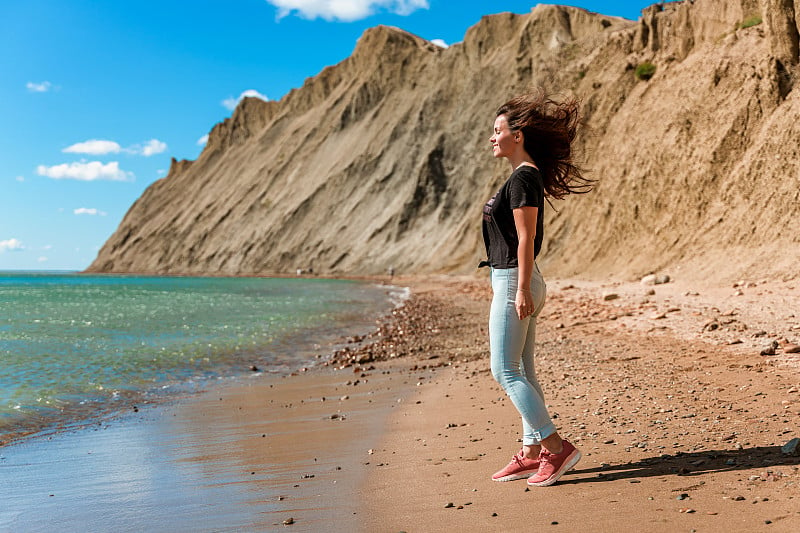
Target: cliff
[383,160]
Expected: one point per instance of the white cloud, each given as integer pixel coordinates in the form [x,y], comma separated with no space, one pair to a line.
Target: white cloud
[440,43]
[47,247]
[152,147]
[231,103]
[42,259]
[345,10]
[20,178]
[86,171]
[42,87]
[93,147]
[202,140]
[89,211]
[11,245]
[102,147]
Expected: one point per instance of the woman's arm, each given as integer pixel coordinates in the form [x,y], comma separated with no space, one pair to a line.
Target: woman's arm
[525,222]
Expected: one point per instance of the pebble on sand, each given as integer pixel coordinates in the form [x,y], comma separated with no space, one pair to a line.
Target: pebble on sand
[769,348]
[652,279]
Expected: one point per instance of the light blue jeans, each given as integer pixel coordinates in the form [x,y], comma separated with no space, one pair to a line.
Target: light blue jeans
[511,343]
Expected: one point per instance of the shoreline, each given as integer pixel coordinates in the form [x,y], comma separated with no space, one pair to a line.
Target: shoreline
[238,435]
[658,404]
[315,346]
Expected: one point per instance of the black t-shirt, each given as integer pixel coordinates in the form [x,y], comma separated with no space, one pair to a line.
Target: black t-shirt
[523,188]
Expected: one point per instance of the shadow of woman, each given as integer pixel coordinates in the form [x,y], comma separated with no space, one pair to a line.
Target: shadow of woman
[689,464]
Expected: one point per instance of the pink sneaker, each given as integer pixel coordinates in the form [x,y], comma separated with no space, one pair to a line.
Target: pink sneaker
[520,467]
[552,466]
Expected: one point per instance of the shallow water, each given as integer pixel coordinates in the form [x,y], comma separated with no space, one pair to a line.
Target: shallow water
[72,346]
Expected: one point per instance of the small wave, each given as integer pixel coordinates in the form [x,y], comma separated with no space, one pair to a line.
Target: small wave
[397,295]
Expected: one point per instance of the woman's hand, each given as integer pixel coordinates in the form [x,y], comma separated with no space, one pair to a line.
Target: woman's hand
[524,304]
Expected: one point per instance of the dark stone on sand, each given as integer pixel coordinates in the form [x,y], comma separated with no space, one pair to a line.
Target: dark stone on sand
[792,447]
[289,521]
[254,368]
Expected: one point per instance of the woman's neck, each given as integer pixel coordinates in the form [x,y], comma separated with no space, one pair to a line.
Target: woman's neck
[520,157]
[516,163]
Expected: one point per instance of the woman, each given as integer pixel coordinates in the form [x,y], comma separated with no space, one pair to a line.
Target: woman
[535,134]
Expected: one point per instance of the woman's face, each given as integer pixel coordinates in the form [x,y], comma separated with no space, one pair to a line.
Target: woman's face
[504,140]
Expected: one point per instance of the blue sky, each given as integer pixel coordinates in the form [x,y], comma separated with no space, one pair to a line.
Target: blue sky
[97,96]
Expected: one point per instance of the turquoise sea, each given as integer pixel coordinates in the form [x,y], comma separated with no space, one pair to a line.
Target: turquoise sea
[74,347]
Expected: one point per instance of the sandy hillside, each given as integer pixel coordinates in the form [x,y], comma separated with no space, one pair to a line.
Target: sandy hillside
[696,166]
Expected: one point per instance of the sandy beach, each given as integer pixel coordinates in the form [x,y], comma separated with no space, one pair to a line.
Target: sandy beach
[680,429]
[680,419]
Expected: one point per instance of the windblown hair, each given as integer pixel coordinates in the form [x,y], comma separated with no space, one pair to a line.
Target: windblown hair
[549,128]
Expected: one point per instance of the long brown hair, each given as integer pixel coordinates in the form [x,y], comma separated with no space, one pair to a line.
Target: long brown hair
[549,127]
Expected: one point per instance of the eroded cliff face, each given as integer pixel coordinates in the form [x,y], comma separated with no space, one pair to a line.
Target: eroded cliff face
[383,160]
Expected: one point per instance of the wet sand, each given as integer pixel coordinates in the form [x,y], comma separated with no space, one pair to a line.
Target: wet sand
[680,429]
[242,457]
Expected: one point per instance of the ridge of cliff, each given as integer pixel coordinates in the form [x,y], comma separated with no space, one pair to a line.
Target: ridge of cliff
[383,159]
